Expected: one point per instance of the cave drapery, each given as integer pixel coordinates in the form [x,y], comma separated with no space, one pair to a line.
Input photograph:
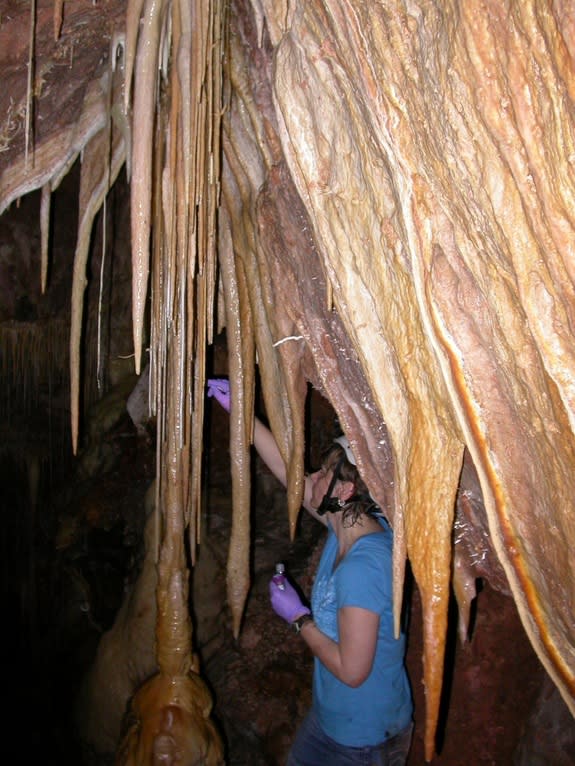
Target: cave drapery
[391,212]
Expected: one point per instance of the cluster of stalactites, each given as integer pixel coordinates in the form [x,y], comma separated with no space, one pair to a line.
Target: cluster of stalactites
[171,100]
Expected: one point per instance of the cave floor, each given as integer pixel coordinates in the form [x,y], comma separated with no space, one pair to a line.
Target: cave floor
[261,680]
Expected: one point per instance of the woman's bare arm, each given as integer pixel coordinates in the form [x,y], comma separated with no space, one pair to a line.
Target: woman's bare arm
[351,659]
[268,450]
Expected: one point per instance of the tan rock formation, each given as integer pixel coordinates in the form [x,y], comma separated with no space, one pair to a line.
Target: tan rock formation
[396,227]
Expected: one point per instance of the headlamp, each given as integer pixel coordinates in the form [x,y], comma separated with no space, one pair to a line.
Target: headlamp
[343,441]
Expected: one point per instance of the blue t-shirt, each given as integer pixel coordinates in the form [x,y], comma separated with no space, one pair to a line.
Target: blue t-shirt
[382,705]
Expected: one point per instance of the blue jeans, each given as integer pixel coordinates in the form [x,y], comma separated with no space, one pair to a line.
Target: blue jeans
[312,747]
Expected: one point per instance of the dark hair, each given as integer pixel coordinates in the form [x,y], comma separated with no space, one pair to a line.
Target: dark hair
[360,503]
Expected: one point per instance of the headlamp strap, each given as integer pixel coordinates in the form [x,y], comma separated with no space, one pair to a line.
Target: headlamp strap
[329,503]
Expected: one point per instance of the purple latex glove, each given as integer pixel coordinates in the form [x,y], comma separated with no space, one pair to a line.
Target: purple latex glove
[285,602]
[219,388]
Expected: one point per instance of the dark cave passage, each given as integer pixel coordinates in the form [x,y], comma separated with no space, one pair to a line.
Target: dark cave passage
[261,682]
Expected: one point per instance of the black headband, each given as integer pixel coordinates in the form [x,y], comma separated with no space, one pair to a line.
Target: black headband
[330,504]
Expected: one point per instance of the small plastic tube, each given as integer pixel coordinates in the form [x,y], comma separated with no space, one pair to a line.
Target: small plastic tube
[279,577]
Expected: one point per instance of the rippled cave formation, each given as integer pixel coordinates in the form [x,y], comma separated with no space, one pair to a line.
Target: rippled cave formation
[359,212]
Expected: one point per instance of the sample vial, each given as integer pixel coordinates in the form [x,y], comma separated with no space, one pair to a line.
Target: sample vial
[279,577]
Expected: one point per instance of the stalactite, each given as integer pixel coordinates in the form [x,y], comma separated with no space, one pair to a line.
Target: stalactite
[133,15]
[241,352]
[102,161]
[296,388]
[144,111]
[30,87]
[185,255]
[207,27]
[58,17]
[45,233]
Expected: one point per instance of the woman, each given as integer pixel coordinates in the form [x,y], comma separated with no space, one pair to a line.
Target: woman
[362,707]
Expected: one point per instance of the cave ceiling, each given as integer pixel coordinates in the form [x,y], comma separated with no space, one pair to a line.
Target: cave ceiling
[372,198]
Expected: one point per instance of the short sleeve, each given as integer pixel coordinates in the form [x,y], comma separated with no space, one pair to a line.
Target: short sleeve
[364,577]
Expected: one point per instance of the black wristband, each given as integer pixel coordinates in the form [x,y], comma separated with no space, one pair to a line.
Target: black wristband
[298,624]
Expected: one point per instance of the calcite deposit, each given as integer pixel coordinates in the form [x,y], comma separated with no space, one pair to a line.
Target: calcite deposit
[377,199]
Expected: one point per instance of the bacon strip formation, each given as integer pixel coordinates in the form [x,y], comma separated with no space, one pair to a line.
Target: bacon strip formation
[431,153]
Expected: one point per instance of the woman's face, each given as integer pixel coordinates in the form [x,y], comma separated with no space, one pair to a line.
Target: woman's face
[320,484]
